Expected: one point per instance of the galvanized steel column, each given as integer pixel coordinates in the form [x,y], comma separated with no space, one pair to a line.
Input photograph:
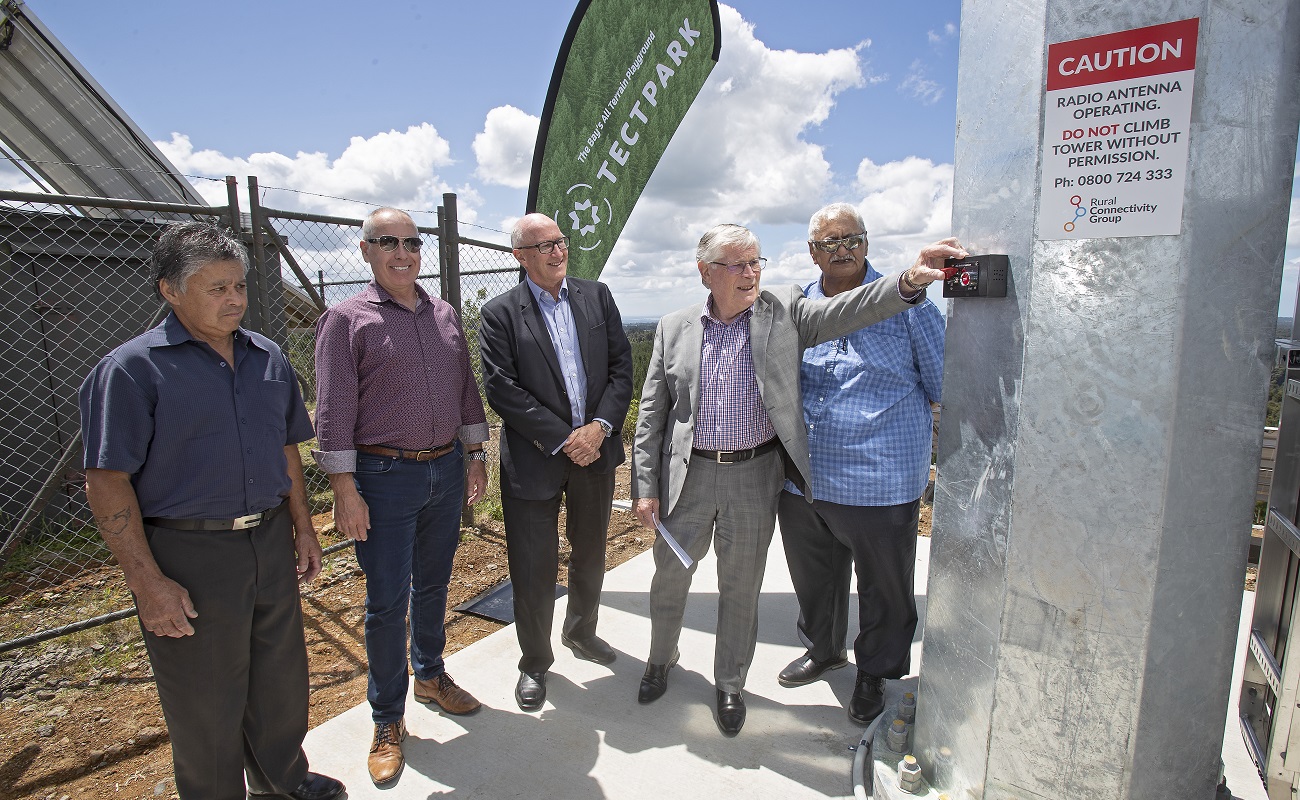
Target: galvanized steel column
[1101,425]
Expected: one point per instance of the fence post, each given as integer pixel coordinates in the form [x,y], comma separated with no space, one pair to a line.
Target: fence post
[232,200]
[449,243]
[266,311]
[449,283]
[255,318]
[442,254]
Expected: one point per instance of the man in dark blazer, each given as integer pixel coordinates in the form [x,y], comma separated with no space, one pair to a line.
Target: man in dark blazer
[557,367]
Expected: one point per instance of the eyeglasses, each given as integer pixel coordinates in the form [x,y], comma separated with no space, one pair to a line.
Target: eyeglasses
[389,243]
[546,248]
[735,269]
[850,243]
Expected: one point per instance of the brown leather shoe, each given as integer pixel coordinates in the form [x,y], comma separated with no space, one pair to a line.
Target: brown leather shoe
[443,691]
[386,760]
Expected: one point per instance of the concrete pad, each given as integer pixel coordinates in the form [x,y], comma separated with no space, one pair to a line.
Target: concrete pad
[593,740]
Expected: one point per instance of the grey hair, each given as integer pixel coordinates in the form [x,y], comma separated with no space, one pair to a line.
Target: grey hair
[719,237]
[187,247]
[834,211]
[368,224]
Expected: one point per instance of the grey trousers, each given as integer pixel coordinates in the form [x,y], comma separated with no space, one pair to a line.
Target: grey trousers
[234,694]
[734,507]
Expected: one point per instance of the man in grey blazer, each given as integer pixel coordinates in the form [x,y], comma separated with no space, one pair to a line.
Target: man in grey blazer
[720,413]
[557,367]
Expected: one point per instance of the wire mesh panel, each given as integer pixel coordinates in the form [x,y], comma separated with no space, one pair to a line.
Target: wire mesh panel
[74,287]
[486,271]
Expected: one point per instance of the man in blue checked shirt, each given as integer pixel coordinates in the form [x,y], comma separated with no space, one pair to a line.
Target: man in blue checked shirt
[866,405]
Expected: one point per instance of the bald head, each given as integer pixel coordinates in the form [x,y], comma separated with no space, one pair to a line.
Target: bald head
[531,227]
[383,215]
[548,269]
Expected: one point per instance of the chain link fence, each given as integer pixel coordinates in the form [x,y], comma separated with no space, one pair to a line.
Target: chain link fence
[75,286]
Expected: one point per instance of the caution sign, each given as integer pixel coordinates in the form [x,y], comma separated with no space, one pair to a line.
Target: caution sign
[1115,127]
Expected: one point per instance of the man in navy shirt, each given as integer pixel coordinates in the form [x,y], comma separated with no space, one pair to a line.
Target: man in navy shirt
[191,435]
[866,407]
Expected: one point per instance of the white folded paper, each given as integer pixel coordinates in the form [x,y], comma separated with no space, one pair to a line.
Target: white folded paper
[676,548]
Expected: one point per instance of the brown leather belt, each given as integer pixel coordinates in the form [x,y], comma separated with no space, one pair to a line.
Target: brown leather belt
[409,455]
[735,456]
[236,524]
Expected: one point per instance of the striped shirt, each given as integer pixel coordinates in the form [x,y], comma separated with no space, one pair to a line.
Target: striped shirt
[731,415]
[866,406]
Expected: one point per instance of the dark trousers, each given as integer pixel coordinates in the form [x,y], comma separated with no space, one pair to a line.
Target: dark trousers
[407,557]
[532,546]
[235,693]
[824,543]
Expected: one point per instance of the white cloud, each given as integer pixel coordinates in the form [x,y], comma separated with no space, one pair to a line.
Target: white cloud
[939,37]
[906,204]
[739,156]
[919,86]
[397,168]
[504,149]
[12,179]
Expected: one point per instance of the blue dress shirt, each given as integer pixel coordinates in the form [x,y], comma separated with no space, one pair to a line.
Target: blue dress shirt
[564,338]
[866,405]
[199,440]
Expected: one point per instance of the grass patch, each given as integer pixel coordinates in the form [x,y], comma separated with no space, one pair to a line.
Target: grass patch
[51,548]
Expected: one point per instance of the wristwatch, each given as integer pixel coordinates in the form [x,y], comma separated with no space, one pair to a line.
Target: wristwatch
[606,427]
[476,455]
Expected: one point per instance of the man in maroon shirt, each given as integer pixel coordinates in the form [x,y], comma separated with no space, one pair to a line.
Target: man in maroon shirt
[397,407]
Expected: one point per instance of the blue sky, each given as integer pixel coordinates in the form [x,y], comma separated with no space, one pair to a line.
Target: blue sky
[398,102]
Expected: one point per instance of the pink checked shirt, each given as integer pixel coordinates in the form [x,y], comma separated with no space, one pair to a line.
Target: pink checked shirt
[389,376]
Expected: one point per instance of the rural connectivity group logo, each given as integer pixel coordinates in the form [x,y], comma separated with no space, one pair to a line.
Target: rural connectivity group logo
[1079,211]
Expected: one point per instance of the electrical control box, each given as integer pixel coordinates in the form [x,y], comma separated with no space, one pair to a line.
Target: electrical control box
[976,276]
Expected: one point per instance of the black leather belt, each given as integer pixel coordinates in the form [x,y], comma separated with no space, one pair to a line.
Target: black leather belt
[236,524]
[409,455]
[735,456]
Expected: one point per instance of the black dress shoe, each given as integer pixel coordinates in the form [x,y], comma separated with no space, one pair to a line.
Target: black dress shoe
[807,669]
[530,692]
[731,712]
[313,787]
[868,698]
[591,649]
[655,681]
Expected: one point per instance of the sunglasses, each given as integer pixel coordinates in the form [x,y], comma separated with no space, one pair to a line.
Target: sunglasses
[850,243]
[389,243]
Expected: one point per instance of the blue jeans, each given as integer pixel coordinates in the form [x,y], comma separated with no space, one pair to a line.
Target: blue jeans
[414,530]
